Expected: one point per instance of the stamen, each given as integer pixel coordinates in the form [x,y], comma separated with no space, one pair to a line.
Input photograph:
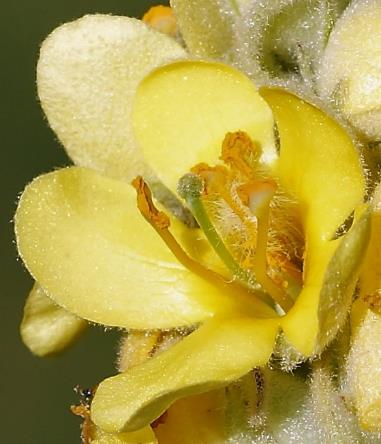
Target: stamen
[158,219]
[239,193]
[160,222]
[190,187]
[259,198]
[240,152]
[218,180]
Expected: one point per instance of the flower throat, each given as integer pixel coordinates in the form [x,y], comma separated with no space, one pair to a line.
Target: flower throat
[250,222]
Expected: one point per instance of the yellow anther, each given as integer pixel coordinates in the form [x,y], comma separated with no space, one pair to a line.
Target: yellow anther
[259,195]
[162,19]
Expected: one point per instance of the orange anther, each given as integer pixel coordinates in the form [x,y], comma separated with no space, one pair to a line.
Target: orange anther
[147,207]
[239,152]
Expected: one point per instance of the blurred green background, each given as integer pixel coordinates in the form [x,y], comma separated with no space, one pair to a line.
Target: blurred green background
[36,393]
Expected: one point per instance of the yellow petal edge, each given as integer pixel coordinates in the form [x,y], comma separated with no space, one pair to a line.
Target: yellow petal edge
[321,167]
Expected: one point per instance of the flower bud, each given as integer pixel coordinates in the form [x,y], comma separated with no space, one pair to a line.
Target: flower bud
[350,70]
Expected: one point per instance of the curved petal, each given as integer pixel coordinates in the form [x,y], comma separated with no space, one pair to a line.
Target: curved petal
[320,165]
[217,353]
[87,76]
[142,436]
[83,239]
[46,328]
[183,111]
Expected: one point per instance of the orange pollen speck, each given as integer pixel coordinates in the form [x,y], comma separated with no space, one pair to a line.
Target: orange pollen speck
[162,19]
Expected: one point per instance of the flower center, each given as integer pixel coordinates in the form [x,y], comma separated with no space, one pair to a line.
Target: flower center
[252,224]
[161,223]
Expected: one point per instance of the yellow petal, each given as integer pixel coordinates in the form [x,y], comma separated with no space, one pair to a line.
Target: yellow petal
[139,345]
[87,76]
[318,163]
[321,167]
[195,419]
[183,111]
[83,239]
[142,436]
[136,347]
[211,357]
[46,328]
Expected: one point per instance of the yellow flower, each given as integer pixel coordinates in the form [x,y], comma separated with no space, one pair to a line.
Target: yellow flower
[83,239]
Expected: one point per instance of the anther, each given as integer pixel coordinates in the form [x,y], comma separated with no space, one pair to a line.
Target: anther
[239,152]
[146,206]
[259,195]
